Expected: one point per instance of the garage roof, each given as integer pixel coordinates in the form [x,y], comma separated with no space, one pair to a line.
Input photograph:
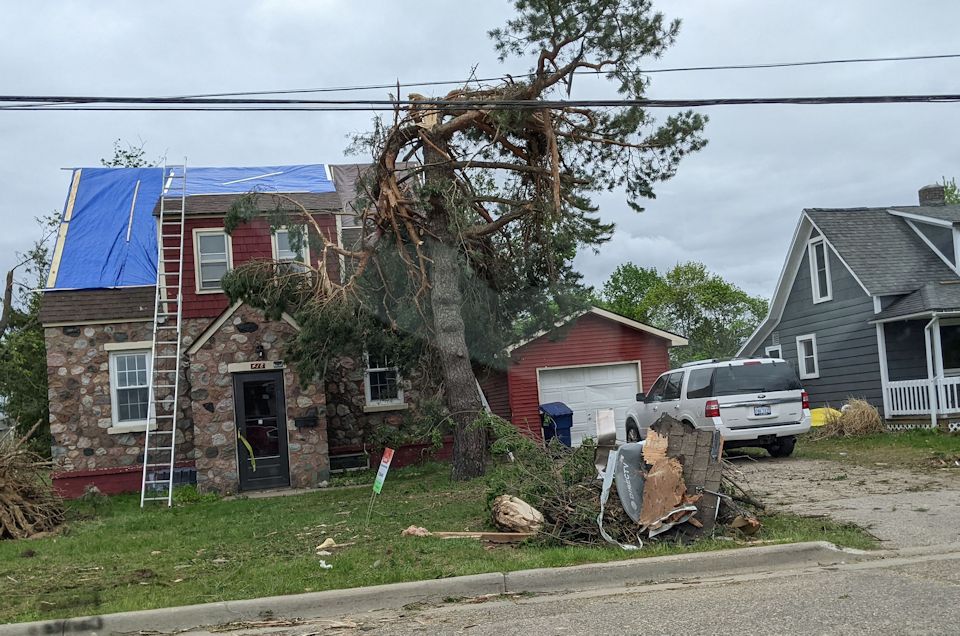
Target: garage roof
[674,339]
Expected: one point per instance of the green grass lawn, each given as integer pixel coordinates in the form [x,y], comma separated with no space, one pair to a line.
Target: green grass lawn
[919,449]
[121,558]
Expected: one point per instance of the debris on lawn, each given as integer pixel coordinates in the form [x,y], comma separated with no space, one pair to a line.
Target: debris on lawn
[415,531]
[671,486]
[512,514]
[857,418]
[29,507]
[324,565]
[489,537]
[327,543]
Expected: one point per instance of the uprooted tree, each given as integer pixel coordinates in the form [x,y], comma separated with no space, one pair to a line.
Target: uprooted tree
[476,204]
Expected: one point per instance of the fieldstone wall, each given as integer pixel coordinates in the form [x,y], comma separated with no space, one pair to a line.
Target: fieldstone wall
[78,376]
[211,394]
[348,424]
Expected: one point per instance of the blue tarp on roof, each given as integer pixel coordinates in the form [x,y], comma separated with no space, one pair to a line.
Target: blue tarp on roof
[302,178]
[111,237]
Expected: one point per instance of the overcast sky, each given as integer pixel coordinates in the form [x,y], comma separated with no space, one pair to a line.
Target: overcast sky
[732,206]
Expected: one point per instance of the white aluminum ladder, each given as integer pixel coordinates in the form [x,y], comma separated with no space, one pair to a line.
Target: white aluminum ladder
[160,441]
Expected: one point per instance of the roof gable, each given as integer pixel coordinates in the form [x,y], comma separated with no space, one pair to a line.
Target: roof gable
[673,339]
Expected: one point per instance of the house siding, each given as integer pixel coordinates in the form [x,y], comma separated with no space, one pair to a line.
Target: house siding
[847,354]
[249,241]
[589,340]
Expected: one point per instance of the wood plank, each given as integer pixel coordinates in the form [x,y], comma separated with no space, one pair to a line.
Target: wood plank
[62,233]
[492,537]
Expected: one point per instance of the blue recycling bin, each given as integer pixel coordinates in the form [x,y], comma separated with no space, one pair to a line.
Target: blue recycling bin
[556,418]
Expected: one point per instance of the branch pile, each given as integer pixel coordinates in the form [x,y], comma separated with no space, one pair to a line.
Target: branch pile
[28,504]
[562,484]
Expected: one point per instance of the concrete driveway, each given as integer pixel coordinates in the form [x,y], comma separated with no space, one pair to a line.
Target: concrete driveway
[900,507]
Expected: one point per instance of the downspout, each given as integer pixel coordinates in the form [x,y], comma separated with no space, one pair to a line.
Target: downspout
[931,375]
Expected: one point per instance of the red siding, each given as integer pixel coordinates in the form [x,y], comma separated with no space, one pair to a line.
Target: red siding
[249,241]
[496,388]
[590,340]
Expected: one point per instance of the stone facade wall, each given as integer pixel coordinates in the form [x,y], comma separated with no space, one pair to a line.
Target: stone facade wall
[78,376]
[211,393]
[348,423]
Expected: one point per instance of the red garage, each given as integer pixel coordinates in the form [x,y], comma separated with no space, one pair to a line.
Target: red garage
[596,360]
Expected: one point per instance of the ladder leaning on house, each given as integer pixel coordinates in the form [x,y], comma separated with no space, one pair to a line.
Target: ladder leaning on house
[160,441]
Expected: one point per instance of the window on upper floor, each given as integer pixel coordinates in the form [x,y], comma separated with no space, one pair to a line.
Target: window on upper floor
[212,257]
[130,388]
[819,256]
[283,252]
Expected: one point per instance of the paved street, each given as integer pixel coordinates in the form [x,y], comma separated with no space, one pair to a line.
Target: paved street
[906,595]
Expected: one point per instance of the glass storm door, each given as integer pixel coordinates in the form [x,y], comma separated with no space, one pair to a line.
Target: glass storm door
[261,430]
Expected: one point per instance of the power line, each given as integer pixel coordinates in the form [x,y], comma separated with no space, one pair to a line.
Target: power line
[678,69]
[29,102]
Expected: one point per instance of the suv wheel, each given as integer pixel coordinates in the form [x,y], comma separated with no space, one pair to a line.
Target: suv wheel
[633,433]
[783,447]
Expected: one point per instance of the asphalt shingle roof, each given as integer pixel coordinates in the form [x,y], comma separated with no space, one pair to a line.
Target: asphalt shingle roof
[940,212]
[934,296]
[885,254]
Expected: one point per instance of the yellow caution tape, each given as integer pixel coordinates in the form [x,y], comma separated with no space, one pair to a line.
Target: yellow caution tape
[253,460]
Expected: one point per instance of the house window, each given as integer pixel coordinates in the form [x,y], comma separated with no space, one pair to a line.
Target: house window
[130,387]
[807,362]
[382,381]
[212,258]
[820,271]
[775,351]
[284,253]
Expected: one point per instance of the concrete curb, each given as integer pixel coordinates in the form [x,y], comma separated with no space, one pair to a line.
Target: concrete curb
[357,600]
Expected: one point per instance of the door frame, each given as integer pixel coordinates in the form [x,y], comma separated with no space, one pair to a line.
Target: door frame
[238,408]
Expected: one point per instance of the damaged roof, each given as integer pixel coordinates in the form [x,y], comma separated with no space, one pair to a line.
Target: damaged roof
[108,233]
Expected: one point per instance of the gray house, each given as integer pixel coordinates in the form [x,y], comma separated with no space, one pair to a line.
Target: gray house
[868,306]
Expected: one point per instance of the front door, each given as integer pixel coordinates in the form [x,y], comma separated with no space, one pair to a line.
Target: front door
[261,430]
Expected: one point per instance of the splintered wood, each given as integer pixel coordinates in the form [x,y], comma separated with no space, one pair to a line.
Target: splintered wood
[663,490]
[655,447]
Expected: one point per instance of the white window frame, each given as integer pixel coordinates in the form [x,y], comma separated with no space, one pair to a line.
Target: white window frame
[372,404]
[814,278]
[197,233]
[133,426]
[276,248]
[801,361]
[777,347]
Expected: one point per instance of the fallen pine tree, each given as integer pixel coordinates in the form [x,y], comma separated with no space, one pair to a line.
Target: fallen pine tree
[28,504]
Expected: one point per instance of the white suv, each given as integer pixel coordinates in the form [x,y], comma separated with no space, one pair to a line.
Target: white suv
[753,402]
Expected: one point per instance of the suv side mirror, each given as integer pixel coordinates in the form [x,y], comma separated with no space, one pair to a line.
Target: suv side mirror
[641,397]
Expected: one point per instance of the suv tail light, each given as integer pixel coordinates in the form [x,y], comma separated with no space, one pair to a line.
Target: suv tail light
[805,399]
[712,409]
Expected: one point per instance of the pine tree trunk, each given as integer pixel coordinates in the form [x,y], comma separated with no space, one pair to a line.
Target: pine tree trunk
[446,300]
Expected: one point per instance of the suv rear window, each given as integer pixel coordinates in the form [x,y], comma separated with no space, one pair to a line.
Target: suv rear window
[751,378]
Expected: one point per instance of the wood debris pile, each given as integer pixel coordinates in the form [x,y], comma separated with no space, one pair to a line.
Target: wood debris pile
[28,504]
[682,470]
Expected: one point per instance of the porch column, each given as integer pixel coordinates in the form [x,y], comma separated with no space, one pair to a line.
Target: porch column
[931,377]
[938,360]
[884,369]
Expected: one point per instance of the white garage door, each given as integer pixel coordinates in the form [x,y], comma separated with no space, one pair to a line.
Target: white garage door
[586,389]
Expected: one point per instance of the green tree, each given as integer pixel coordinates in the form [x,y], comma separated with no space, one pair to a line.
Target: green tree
[714,315]
[626,290]
[951,192]
[479,230]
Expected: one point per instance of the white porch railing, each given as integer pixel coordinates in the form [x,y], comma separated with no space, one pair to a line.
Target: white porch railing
[912,397]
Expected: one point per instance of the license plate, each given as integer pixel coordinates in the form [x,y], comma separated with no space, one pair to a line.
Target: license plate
[762,410]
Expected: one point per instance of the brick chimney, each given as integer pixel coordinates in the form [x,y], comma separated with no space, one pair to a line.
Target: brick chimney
[932,195]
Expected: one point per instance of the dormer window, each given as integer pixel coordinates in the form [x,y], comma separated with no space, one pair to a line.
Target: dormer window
[820,270]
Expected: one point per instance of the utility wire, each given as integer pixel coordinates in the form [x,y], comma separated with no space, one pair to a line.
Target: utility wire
[678,69]
[27,102]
